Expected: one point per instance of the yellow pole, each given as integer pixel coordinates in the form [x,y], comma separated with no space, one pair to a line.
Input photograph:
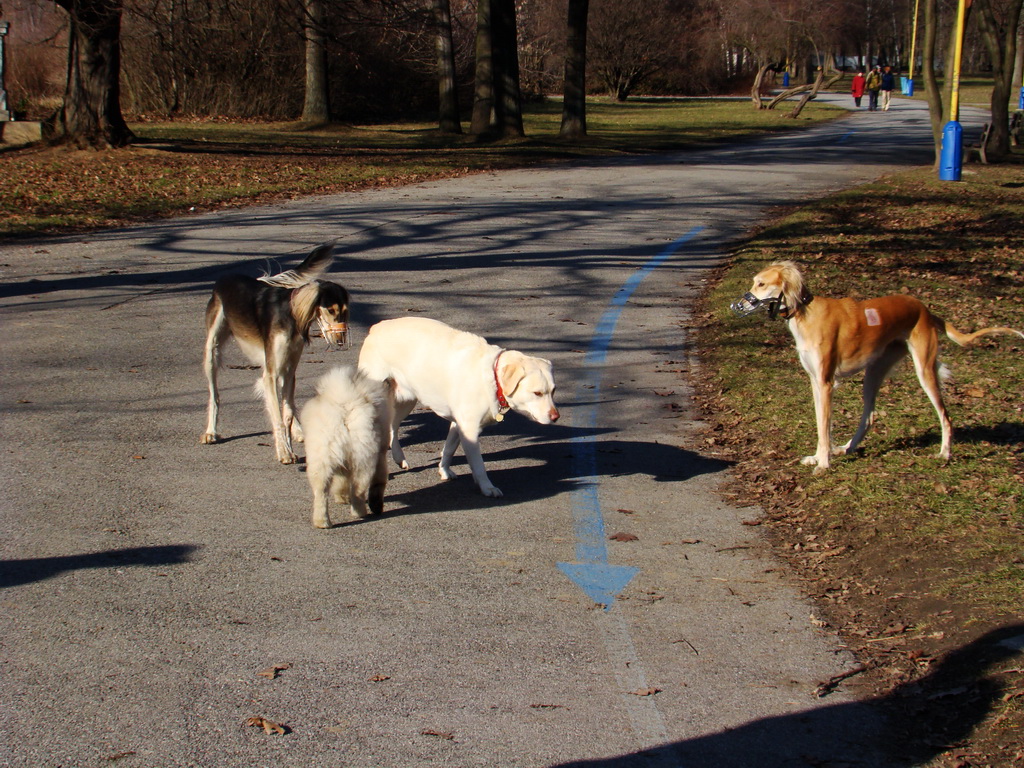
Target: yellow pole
[954,97]
[951,154]
[913,40]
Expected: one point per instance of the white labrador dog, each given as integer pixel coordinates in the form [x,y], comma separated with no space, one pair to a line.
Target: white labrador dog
[460,377]
[346,434]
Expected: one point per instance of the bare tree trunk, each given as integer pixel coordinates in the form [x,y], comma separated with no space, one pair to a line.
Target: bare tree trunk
[483,94]
[508,100]
[936,108]
[574,92]
[497,103]
[950,58]
[91,113]
[447,86]
[808,91]
[1002,50]
[1018,61]
[755,90]
[316,107]
[811,92]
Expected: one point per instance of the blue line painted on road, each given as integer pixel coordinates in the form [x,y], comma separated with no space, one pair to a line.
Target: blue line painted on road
[598,579]
[605,329]
[842,139]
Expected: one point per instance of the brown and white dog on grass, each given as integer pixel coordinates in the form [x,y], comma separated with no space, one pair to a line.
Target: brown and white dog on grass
[271,319]
[836,338]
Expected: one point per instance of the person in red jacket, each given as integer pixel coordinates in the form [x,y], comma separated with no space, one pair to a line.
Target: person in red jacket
[857,89]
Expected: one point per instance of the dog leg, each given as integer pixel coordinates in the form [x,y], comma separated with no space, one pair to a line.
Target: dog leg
[375,499]
[822,391]
[402,409]
[321,483]
[275,385]
[821,367]
[294,428]
[359,493]
[926,364]
[340,488]
[216,333]
[471,447]
[451,444]
[357,504]
[874,375]
[272,399]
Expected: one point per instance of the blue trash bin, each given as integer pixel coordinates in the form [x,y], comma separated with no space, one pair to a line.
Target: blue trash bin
[785,80]
[1020,102]
[951,157]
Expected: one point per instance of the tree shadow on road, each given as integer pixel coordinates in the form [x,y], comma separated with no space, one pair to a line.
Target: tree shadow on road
[912,724]
[544,465]
[15,573]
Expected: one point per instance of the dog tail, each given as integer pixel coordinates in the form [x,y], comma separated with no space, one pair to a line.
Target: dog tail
[315,264]
[963,339]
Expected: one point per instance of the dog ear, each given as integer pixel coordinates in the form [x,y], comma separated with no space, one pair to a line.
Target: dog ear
[792,283]
[304,301]
[511,371]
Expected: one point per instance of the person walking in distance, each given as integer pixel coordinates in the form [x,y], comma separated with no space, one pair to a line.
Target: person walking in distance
[887,86]
[872,84]
[857,88]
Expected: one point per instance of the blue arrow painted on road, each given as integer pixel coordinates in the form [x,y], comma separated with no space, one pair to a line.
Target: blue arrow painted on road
[599,580]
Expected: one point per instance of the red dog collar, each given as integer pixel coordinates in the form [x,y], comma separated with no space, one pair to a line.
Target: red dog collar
[502,402]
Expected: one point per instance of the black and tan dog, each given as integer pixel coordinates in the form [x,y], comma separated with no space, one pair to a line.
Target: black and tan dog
[271,319]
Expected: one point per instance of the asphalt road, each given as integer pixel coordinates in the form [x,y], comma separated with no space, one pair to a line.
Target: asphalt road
[147,580]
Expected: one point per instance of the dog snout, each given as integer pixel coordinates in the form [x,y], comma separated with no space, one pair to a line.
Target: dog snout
[335,333]
[741,306]
[553,414]
[747,304]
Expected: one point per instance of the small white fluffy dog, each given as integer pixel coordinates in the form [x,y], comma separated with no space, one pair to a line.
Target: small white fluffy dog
[346,430]
[460,377]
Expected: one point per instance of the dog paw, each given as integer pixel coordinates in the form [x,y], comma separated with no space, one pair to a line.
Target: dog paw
[820,466]
[322,523]
[209,438]
[446,473]
[287,458]
[491,491]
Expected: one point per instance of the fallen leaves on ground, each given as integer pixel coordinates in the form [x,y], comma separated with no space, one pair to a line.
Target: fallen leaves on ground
[439,734]
[268,726]
[621,536]
[271,672]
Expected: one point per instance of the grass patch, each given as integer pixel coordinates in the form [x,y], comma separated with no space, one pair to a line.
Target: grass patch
[958,529]
[953,246]
[909,558]
[181,166]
